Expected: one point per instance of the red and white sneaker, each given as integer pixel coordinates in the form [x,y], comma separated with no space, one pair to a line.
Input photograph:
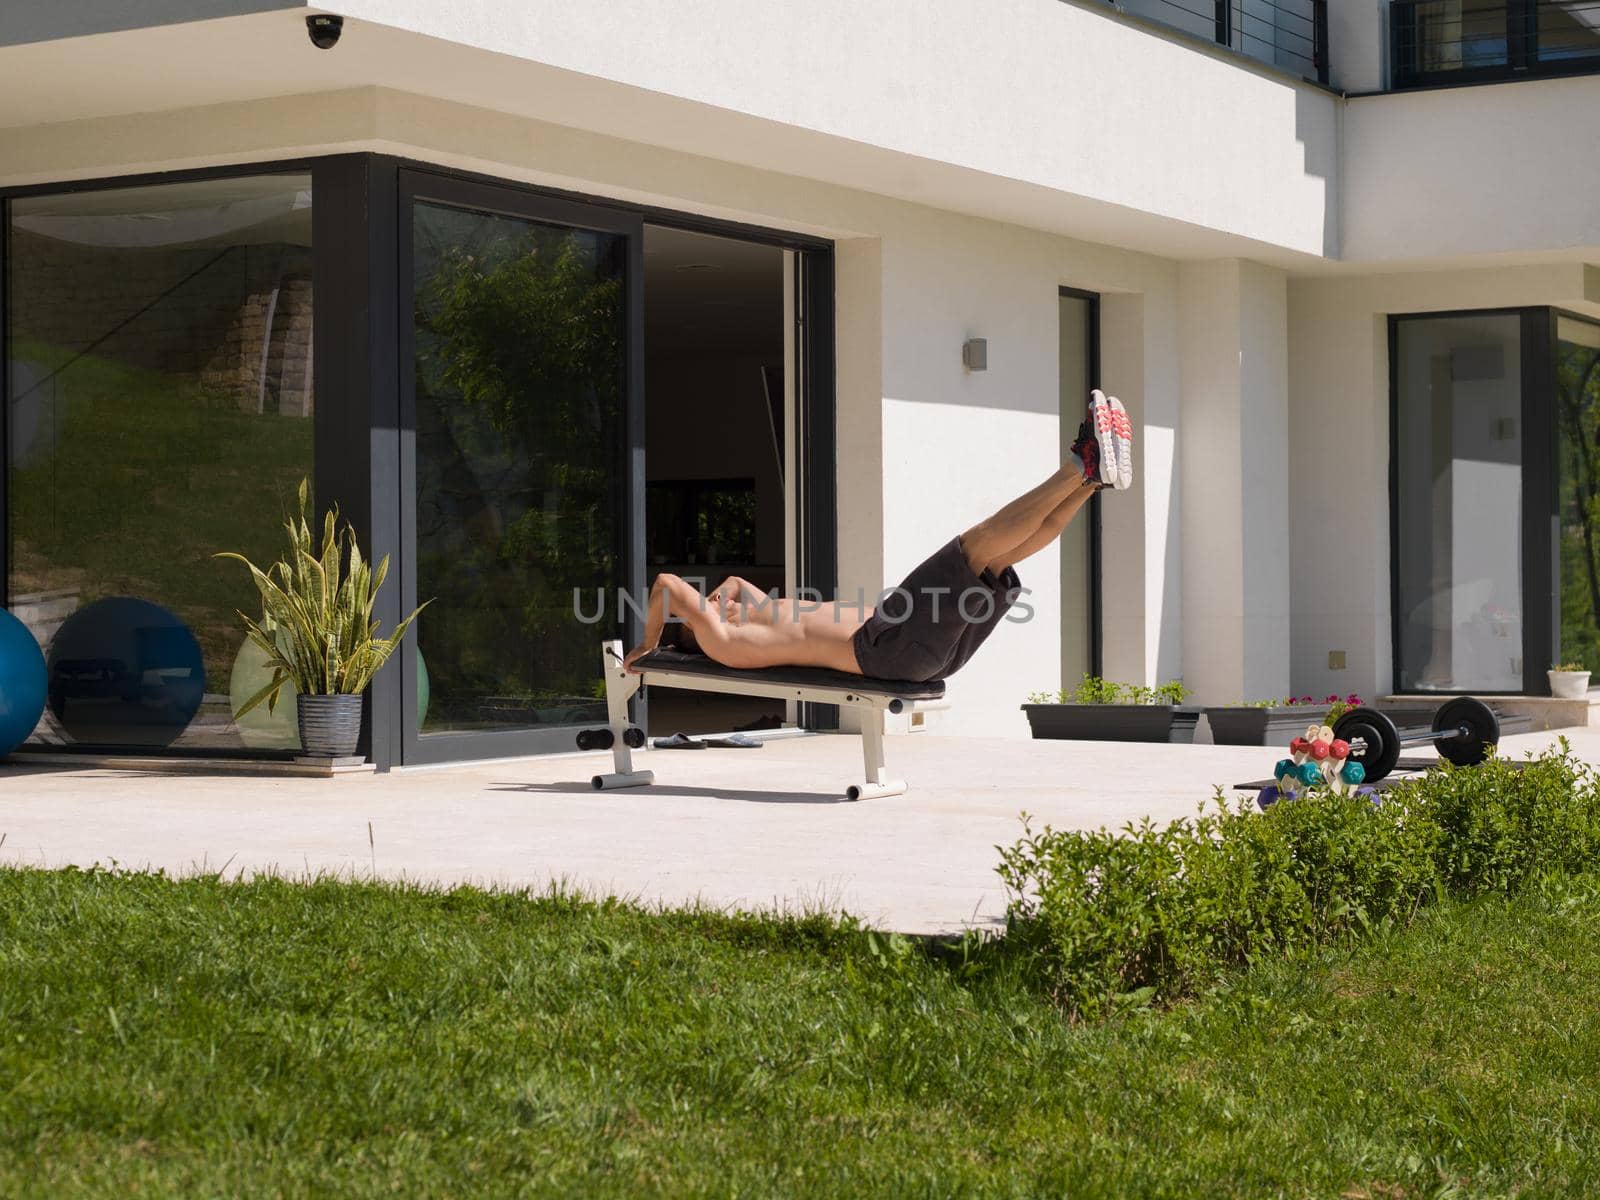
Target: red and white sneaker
[1096,446]
[1122,428]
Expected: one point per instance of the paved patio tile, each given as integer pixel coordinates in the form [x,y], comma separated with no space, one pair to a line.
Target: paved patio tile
[744,828]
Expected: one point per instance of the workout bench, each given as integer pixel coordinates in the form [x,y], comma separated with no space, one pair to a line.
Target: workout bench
[870,698]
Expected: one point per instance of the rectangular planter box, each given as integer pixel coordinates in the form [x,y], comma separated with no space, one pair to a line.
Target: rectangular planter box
[1114,722]
[1246,725]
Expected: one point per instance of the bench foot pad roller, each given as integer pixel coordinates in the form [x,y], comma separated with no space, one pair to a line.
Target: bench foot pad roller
[633,738]
[606,783]
[595,739]
[875,791]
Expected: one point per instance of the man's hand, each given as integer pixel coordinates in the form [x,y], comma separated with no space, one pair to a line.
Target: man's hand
[634,656]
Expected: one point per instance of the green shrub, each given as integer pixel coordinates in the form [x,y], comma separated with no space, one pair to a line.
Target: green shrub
[1105,919]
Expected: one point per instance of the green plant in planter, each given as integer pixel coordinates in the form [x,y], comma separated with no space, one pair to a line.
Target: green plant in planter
[316,627]
[1569,666]
[1094,690]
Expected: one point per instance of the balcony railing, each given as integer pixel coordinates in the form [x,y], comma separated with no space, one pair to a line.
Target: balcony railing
[1470,41]
[1289,34]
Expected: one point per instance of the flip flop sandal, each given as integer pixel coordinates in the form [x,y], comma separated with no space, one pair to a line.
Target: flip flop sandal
[736,741]
[678,741]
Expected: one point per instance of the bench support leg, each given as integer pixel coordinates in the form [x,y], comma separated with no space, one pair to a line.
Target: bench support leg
[620,687]
[877,782]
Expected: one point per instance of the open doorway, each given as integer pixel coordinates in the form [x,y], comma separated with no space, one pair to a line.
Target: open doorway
[716,428]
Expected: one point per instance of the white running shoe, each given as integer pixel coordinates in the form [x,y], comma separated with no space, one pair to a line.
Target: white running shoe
[1096,446]
[1123,428]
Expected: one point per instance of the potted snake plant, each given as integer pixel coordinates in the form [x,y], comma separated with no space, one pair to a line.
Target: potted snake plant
[317,631]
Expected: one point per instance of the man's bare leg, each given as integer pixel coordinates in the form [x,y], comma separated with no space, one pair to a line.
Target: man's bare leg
[1060,517]
[1018,522]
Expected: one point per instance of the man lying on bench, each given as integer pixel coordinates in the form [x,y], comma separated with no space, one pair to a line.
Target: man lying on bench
[923,630]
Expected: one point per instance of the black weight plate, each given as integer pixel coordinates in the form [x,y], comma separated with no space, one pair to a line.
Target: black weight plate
[1379,733]
[1473,714]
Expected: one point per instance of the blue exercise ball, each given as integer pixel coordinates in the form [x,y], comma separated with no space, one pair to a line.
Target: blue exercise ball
[22,683]
[125,672]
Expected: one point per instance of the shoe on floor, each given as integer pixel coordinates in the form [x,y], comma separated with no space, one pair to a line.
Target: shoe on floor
[1122,432]
[678,741]
[735,741]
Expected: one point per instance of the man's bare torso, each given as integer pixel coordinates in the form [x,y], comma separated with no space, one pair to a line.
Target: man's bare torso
[751,630]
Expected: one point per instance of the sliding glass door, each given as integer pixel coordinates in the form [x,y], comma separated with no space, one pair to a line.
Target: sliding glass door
[1496,498]
[521,475]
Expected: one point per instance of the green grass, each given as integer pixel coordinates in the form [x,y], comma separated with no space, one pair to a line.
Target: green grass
[271,1038]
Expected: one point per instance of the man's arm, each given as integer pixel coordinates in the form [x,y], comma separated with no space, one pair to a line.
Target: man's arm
[741,594]
[669,596]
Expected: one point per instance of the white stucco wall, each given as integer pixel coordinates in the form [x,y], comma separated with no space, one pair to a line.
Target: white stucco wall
[1058,115]
[1460,172]
[1338,490]
[1233,331]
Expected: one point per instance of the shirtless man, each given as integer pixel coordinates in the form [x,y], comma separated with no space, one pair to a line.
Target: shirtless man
[934,621]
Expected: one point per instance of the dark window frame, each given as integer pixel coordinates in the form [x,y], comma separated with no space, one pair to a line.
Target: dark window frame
[356,324]
[1096,544]
[1541,517]
[1522,53]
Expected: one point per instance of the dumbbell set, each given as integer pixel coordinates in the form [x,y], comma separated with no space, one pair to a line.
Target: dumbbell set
[603,738]
[1463,731]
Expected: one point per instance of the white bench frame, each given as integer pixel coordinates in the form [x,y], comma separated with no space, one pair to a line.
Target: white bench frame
[621,685]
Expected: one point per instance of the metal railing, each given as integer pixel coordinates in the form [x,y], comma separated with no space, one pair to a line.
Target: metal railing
[1467,41]
[1291,35]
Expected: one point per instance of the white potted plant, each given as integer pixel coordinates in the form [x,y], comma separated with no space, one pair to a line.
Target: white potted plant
[317,632]
[1568,681]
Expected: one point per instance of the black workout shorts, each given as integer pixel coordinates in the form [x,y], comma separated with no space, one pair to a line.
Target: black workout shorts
[931,624]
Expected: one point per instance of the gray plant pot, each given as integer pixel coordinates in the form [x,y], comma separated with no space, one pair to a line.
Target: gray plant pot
[1114,722]
[1251,725]
[330,726]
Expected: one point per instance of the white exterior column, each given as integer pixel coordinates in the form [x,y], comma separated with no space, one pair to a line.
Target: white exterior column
[1233,347]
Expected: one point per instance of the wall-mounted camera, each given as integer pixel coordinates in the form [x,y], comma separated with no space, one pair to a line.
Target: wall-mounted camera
[324,31]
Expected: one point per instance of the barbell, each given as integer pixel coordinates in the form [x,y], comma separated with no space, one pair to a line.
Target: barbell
[1463,730]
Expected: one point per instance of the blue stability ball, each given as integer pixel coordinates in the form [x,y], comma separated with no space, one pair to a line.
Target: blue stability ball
[22,683]
[125,672]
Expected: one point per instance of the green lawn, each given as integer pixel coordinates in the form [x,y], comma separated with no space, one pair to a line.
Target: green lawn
[161,1038]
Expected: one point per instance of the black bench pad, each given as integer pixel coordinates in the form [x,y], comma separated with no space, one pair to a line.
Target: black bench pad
[680,663]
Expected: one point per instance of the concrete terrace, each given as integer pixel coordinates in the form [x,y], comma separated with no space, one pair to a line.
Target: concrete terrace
[730,828]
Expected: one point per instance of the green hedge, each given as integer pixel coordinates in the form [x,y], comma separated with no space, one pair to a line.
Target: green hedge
[1152,913]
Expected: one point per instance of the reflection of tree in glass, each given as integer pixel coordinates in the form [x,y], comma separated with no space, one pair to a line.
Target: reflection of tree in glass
[1578,402]
[520,349]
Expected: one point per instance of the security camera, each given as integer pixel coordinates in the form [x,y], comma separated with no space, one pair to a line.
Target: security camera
[324,31]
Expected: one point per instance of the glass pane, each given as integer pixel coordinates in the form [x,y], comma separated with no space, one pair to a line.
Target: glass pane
[520,382]
[160,411]
[1454,35]
[1569,30]
[1460,503]
[1578,425]
[1077,628]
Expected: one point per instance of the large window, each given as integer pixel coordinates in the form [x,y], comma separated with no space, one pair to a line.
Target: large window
[1458,41]
[1459,557]
[520,336]
[1577,388]
[159,410]
[1496,498]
